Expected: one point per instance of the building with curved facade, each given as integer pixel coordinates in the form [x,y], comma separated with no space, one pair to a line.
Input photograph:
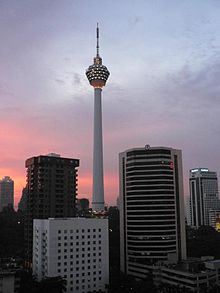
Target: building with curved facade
[152,224]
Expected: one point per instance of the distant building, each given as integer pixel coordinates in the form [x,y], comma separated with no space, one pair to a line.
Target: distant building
[203,195]
[194,276]
[82,204]
[214,217]
[22,205]
[75,249]
[51,192]
[6,193]
[152,220]
[188,210]
[9,281]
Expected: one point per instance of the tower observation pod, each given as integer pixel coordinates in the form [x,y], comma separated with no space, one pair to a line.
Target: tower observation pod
[97,75]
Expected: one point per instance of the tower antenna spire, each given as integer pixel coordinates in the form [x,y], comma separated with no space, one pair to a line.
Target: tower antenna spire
[97,39]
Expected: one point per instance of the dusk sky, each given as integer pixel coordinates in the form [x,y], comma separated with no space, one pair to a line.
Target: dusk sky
[164,87]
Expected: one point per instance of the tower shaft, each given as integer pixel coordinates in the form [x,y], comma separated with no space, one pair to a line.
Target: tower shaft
[98,185]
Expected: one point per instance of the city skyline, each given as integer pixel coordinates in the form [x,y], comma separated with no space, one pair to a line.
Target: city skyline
[163,90]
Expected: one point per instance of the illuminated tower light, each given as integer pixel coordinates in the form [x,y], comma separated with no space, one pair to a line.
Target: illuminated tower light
[97,75]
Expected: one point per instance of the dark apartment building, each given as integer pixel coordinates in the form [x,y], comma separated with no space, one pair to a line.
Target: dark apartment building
[152,226]
[51,192]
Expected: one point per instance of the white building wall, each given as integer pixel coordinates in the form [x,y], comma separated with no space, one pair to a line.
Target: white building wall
[75,249]
[7,282]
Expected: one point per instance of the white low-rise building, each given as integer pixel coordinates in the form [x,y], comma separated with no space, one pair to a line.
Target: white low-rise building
[75,249]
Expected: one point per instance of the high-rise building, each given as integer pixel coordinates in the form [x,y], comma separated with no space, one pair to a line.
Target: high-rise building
[75,249]
[97,75]
[6,193]
[22,205]
[203,195]
[188,210]
[51,191]
[152,224]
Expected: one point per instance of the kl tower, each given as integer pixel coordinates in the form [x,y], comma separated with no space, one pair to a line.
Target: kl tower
[97,75]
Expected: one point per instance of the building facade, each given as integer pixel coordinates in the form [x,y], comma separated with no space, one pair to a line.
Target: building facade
[75,249]
[204,195]
[152,225]
[9,281]
[6,193]
[194,276]
[51,191]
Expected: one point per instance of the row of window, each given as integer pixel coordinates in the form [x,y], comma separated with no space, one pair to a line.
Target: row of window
[81,230]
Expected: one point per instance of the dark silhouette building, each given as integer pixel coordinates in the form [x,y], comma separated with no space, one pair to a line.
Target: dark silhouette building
[6,193]
[51,192]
